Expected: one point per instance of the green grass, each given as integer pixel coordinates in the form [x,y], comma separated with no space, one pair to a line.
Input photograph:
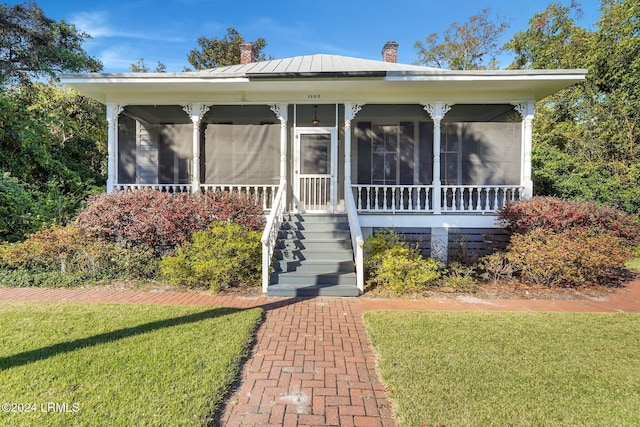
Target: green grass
[121,365]
[509,369]
[634,264]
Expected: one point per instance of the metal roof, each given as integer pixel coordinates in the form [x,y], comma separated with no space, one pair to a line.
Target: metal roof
[312,64]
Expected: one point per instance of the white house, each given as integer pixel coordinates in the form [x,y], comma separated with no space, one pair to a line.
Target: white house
[369,144]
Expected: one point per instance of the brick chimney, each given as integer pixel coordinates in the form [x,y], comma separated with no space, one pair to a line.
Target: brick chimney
[247,53]
[390,52]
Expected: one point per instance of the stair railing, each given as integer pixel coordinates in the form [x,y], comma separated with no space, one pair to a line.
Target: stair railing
[357,241]
[270,235]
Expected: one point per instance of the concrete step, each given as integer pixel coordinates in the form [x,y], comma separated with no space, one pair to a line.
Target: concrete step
[313,254]
[306,279]
[313,234]
[315,226]
[317,267]
[310,244]
[281,290]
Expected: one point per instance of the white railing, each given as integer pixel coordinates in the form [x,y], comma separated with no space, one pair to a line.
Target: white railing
[171,188]
[393,198]
[419,198]
[315,191]
[270,234]
[357,241]
[478,198]
[264,194]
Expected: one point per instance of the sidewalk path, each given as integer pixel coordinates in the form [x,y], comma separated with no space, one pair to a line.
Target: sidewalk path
[312,363]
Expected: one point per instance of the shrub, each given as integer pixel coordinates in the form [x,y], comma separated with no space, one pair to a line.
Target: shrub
[64,250]
[496,267]
[402,270]
[163,220]
[51,279]
[461,278]
[556,215]
[568,258]
[224,255]
[375,245]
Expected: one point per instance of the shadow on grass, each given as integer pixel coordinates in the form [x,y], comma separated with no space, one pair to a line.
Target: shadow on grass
[36,355]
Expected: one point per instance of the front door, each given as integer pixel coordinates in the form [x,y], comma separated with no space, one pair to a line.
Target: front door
[315,175]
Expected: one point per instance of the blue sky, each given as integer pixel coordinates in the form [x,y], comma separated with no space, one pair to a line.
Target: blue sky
[166,31]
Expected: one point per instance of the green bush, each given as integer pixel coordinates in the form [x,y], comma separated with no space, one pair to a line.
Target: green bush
[496,267]
[569,258]
[22,278]
[378,243]
[226,254]
[461,278]
[403,270]
[65,251]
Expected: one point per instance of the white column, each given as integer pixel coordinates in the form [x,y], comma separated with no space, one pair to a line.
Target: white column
[281,112]
[437,111]
[113,110]
[527,111]
[195,112]
[350,111]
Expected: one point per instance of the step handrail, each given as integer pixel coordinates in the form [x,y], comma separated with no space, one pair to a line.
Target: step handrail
[357,241]
[270,235]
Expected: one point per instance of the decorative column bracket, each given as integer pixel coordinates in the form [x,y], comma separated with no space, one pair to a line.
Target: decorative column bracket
[113,111]
[437,111]
[196,111]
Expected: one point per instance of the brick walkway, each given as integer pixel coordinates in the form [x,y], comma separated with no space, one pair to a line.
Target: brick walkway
[312,364]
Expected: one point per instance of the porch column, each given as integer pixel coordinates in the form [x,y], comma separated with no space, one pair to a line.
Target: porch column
[281,112]
[436,111]
[113,110]
[350,111]
[527,111]
[195,112]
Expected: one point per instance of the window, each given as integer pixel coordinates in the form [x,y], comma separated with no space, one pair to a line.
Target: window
[386,153]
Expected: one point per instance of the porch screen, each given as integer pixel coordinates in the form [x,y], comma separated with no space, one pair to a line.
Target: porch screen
[480,153]
[242,154]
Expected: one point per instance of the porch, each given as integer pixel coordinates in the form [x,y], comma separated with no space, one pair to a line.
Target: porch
[396,166]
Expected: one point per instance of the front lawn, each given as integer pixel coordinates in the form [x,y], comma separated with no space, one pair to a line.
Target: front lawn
[509,369]
[121,365]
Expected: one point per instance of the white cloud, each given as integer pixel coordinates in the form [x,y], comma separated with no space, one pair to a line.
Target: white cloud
[97,25]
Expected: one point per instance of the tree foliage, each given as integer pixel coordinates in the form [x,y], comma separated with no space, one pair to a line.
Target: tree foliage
[470,46]
[53,147]
[586,137]
[215,52]
[142,67]
[34,46]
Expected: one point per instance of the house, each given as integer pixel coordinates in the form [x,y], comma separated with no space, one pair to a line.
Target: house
[333,147]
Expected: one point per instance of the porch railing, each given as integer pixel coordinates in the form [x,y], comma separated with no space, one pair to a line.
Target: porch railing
[419,198]
[315,191]
[357,241]
[478,198]
[265,194]
[270,234]
[393,198]
[170,188]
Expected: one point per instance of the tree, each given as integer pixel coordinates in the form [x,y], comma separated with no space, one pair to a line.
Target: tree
[34,46]
[141,67]
[470,46]
[216,52]
[586,137]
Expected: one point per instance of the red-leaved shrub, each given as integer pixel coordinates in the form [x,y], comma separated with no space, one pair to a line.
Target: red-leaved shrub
[163,220]
[552,214]
[568,258]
